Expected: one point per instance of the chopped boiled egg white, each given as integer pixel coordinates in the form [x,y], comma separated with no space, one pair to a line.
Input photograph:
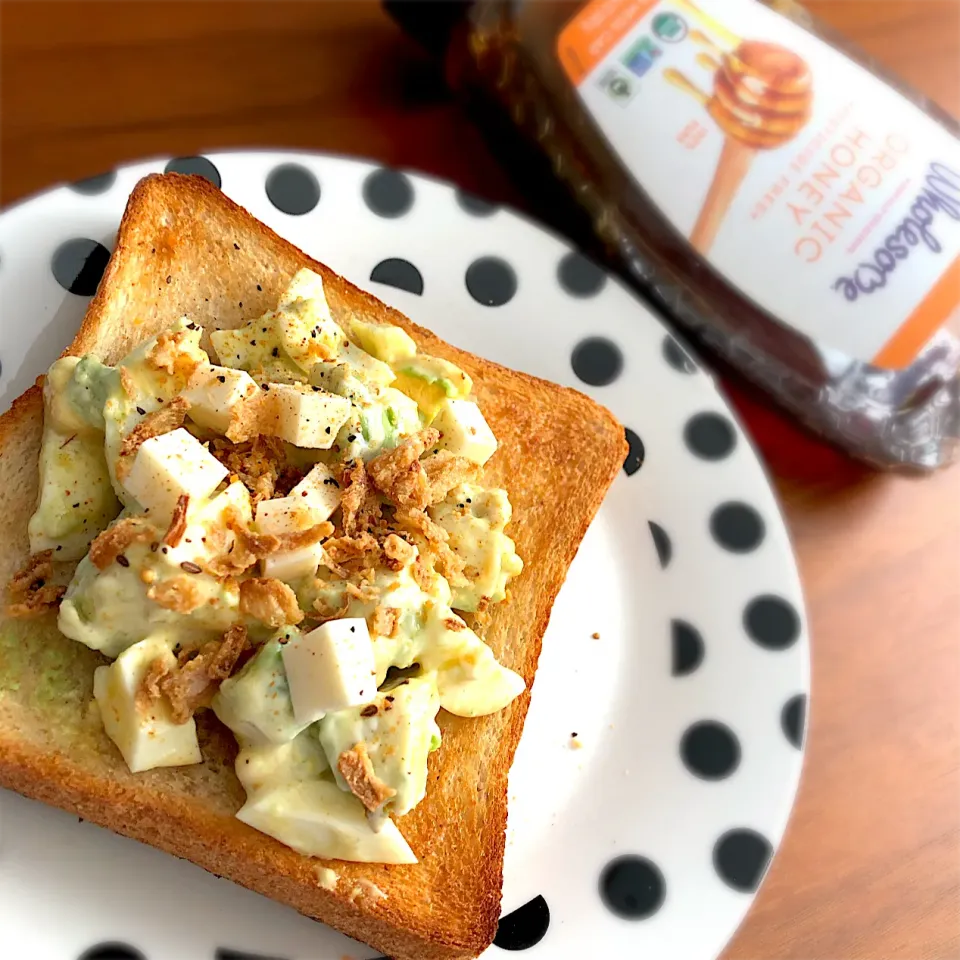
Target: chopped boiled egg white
[207,532]
[305,416]
[281,515]
[464,431]
[330,668]
[172,464]
[214,391]
[289,565]
[316,818]
[289,515]
[319,489]
[146,737]
[310,502]
[307,331]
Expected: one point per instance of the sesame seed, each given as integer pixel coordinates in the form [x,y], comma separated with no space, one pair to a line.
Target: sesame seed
[189,566]
[222,378]
[141,411]
[122,560]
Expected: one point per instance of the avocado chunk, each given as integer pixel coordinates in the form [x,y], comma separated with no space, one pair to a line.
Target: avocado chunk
[430,381]
[283,345]
[319,820]
[398,728]
[76,499]
[265,766]
[255,703]
[475,518]
[383,340]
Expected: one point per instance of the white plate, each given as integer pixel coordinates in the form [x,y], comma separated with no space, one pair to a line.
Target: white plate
[650,839]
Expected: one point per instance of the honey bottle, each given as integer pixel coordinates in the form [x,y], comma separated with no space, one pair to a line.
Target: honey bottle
[779,199]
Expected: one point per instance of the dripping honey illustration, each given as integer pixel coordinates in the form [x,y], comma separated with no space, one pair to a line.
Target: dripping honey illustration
[761,99]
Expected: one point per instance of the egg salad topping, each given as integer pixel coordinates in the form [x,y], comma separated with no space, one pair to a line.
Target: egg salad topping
[290,533]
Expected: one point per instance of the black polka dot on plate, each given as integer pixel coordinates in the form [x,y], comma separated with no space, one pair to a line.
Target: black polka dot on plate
[737,527]
[710,436]
[741,857]
[710,750]
[771,622]
[793,719]
[293,189]
[474,205]
[580,276]
[635,453]
[112,951]
[101,183]
[398,273]
[388,193]
[687,648]
[198,166]
[597,361]
[676,356]
[525,927]
[491,281]
[661,541]
[633,887]
[78,265]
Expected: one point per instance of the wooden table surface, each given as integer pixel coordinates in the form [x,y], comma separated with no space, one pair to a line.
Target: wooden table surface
[870,867]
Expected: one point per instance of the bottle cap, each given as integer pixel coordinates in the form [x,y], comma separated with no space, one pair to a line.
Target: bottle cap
[429,22]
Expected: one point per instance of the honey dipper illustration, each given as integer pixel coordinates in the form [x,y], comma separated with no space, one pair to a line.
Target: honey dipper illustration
[762,98]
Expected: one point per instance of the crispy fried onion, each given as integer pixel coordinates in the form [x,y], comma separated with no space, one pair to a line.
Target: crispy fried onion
[192,682]
[111,543]
[127,382]
[398,473]
[258,463]
[178,523]
[445,471]
[406,480]
[153,424]
[355,767]
[239,553]
[397,553]
[29,592]
[168,354]
[323,611]
[384,621]
[254,417]
[359,503]
[344,555]
[270,601]
[432,540]
[180,594]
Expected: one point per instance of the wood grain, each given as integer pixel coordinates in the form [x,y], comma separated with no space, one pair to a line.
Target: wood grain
[870,867]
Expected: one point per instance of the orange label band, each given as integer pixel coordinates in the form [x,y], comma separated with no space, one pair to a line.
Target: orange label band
[931,314]
[595,31]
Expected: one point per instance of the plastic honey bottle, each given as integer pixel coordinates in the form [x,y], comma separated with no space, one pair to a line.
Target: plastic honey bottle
[794,211]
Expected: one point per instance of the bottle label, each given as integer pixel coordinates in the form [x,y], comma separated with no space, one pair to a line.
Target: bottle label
[824,195]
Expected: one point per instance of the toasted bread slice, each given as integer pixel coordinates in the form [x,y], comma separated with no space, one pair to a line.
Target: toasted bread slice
[185,249]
